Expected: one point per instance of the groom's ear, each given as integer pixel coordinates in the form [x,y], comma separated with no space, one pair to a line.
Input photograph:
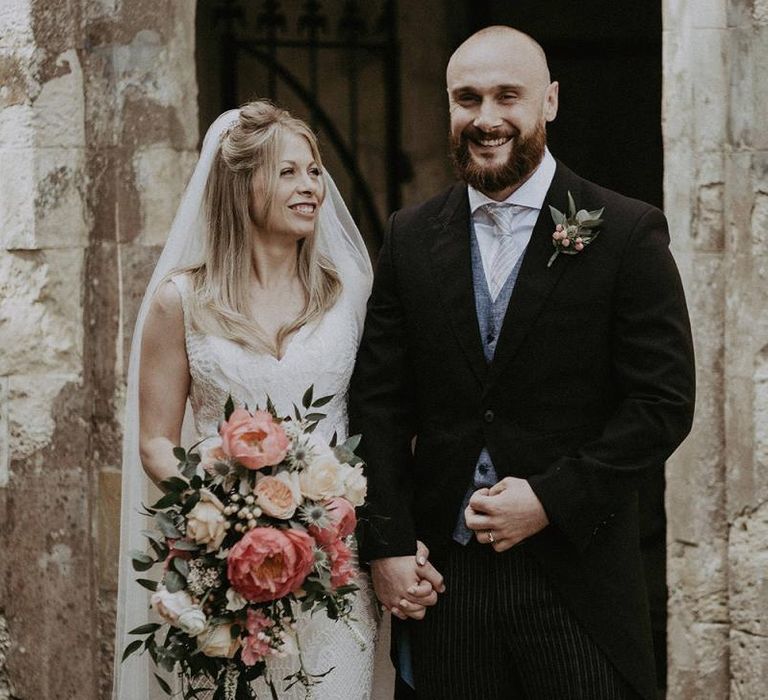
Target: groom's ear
[550,101]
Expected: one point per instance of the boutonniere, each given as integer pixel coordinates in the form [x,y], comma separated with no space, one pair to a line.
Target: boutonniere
[574,232]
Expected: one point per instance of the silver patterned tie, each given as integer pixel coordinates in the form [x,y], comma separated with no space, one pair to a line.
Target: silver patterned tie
[506,253]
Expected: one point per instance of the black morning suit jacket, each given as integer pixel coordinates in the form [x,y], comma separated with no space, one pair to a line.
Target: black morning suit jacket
[591,387]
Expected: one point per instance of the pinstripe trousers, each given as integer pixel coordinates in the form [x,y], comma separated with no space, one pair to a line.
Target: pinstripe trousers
[500,631]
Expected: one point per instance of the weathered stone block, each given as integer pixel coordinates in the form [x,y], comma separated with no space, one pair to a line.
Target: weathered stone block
[699,668]
[5,445]
[41,312]
[709,59]
[60,106]
[748,666]
[31,414]
[748,574]
[748,77]
[109,527]
[15,23]
[55,217]
[161,175]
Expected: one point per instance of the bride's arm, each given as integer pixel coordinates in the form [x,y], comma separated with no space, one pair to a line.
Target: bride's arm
[163,384]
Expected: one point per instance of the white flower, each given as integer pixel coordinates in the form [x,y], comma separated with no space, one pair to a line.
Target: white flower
[234,600]
[205,522]
[192,621]
[170,606]
[322,479]
[217,641]
[355,485]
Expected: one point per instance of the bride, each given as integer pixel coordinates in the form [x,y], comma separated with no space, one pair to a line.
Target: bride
[260,290]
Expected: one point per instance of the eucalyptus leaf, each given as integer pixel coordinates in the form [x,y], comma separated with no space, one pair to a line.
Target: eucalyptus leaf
[166,526]
[597,213]
[306,400]
[571,206]
[174,581]
[147,583]
[317,403]
[135,645]
[315,416]
[166,688]
[174,483]
[190,503]
[582,215]
[180,454]
[334,439]
[181,566]
[142,563]
[149,628]
[171,498]
[194,458]
[229,407]
[271,407]
[557,216]
[352,442]
[185,546]
[296,412]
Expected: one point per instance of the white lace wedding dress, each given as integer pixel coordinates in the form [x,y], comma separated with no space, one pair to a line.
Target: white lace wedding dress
[320,354]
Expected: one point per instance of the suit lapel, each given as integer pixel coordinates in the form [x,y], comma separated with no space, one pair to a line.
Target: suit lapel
[452,264]
[535,281]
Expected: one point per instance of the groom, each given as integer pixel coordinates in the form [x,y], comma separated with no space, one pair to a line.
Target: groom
[510,407]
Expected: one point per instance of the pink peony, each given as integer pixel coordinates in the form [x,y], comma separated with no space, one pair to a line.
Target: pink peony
[343,521]
[342,567]
[256,647]
[267,563]
[255,441]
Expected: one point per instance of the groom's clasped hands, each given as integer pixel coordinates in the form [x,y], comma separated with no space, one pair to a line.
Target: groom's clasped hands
[510,510]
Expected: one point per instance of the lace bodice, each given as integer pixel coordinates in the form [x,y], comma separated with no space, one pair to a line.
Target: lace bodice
[320,354]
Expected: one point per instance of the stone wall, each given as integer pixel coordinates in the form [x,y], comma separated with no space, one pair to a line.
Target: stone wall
[716,191]
[98,129]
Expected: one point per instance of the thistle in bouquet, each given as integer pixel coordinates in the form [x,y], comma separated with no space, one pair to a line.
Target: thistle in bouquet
[257,525]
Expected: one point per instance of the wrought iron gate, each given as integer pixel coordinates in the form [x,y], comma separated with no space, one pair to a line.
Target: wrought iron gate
[290,41]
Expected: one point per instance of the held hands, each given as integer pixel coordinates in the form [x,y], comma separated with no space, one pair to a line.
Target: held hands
[406,586]
[505,514]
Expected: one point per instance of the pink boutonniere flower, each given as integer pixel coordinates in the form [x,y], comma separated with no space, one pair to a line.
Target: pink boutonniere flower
[574,232]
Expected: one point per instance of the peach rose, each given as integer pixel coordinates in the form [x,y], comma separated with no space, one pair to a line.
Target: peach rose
[322,479]
[255,441]
[267,563]
[355,485]
[342,522]
[342,565]
[277,496]
[171,605]
[205,522]
[217,641]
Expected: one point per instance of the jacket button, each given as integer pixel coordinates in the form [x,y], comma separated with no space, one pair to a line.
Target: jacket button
[488,416]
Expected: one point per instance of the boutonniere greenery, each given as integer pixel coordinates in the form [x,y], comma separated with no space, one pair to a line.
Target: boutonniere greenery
[576,231]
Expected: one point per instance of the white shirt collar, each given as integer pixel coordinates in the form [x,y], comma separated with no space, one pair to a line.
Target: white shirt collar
[530,194]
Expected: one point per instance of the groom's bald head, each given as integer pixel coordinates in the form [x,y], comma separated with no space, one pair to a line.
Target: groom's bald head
[500,44]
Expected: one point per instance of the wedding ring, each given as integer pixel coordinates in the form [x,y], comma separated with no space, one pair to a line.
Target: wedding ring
[491,538]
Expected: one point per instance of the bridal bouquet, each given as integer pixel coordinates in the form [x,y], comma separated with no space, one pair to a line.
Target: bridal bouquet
[258,527]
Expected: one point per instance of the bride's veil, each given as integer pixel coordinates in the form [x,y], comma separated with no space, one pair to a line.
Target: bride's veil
[339,240]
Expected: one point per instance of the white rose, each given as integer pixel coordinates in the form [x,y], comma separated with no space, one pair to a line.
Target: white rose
[234,600]
[205,522]
[322,479]
[192,621]
[355,485]
[217,641]
[170,606]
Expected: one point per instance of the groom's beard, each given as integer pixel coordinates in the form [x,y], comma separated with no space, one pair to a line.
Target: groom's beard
[524,158]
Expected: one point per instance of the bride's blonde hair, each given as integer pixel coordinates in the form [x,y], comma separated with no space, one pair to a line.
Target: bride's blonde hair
[221,301]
